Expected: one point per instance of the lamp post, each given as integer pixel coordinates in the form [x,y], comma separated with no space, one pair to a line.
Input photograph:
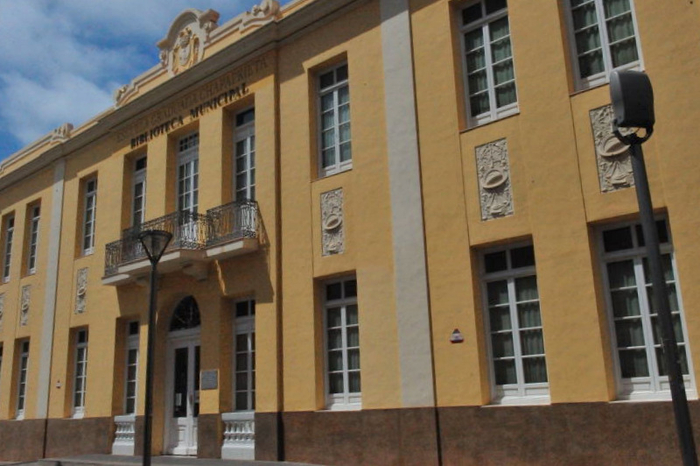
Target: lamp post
[154,243]
[633,105]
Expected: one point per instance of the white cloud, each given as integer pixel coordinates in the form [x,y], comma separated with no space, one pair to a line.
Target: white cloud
[61,60]
[35,108]
[144,18]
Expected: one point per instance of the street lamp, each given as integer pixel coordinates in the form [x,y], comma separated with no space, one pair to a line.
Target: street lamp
[633,105]
[154,242]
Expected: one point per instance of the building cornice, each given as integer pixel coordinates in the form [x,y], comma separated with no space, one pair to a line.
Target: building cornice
[268,37]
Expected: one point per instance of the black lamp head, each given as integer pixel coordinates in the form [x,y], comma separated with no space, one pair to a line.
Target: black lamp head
[155,242]
[632,100]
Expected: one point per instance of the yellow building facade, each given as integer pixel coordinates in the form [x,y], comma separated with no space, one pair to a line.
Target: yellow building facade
[403,233]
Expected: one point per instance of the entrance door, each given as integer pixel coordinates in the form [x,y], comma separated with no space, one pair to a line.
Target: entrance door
[183,395]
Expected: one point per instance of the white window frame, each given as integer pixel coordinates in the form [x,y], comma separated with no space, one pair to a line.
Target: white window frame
[604,76]
[188,154]
[138,203]
[244,327]
[244,133]
[334,90]
[653,387]
[483,24]
[89,216]
[346,400]
[520,392]
[33,238]
[22,374]
[132,345]
[80,361]
[7,257]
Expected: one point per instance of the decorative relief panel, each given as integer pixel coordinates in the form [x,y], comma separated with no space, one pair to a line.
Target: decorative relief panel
[2,308]
[81,291]
[332,227]
[183,47]
[613,157]
[493,170]
[24,306]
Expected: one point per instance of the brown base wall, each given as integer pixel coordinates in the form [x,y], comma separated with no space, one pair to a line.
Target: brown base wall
[565,434]
[371,437]
[22,440]
[209,436]
[582,434]
[68,437]
[33,439]
[268,433]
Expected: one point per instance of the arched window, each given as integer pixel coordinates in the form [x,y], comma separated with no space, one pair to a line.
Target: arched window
[186,315]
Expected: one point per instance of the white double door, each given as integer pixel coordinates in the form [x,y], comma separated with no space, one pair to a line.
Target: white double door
[182,394]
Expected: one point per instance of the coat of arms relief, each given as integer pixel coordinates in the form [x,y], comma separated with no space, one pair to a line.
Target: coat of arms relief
[186,52]
[183,46]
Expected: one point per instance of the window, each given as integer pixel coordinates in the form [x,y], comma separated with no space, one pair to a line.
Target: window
[634,324]
[35,213]
[80,374]
[188,173]
[604,37]
[22,368]
[90,207]
[132,367]
[244,155]
[9,233]
[138,191]
[342,339]
[516,342]
[334,119]
[488,62]
[244,370]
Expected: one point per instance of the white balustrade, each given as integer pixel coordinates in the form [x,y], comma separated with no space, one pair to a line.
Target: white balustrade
[124,434]
[239,435]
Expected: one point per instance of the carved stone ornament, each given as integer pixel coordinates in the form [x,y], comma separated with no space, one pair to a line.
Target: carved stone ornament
[332,228]
[183,46]
[121,93]
[24,306]
[2,308]
[81,291]
[493,171]
[613,157]
[265,12]
[62,133]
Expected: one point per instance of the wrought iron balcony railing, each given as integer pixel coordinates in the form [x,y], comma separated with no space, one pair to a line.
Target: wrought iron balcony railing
[232,221]
[190,231]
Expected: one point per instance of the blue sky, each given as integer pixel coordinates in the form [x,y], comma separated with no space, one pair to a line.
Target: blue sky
[61,60]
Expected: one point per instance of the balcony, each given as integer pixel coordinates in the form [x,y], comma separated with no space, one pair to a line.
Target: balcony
[224,231]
